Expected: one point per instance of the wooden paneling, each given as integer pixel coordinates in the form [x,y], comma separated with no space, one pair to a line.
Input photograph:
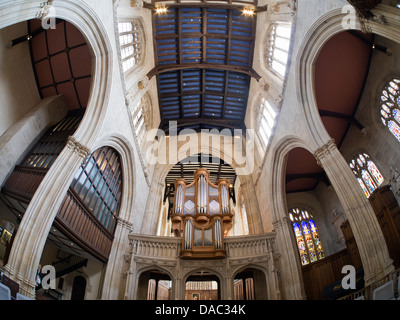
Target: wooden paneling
[351,245]
[75,220]
[324,272]
[387,212]
[23,182]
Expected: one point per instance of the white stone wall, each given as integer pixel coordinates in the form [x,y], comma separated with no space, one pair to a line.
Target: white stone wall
[18,90]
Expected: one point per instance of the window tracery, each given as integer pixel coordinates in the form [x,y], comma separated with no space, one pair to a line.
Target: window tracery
[368,175]
[307,236]
[277,47]
[390,107]
[131,43]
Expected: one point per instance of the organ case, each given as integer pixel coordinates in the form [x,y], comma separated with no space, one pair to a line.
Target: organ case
[202,215]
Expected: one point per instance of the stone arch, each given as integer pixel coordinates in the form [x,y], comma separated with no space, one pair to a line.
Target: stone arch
[113,282]
[25,255]
[322,30]
[214,272]
[374,254]
[148,268]
[261,292]
[161,171]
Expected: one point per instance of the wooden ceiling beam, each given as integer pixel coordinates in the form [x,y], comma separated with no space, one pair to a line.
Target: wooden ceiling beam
[231,124]
[332,114]
[174,67]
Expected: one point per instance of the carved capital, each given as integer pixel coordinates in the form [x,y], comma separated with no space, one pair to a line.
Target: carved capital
[324,151]
[78,148]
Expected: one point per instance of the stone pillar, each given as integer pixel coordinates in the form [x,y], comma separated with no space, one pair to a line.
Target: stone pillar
[367,232]
[153,206]
[35,226]
[290,269]
[251,203]
[111,287]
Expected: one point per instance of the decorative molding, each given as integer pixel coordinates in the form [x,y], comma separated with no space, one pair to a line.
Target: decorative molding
[78,148]
[324,151]
[45,8]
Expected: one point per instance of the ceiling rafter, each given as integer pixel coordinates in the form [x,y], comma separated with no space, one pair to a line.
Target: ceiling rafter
[203,65]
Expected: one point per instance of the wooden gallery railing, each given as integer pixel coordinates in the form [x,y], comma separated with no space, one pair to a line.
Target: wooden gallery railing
[77,221]
[23,182]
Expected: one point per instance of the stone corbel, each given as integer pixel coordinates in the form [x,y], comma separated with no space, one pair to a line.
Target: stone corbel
[136,3]
[45,8]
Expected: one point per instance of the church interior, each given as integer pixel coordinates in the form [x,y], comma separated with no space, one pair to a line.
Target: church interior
[200,150]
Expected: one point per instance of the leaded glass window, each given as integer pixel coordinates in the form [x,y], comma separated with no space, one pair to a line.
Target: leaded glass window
[277,47]
[131,43]
[141,115]
[98,184]
[368,175]
[266,121]
[307,237]
[390,107]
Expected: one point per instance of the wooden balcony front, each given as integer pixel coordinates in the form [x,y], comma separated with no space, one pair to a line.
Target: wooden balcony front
[23,182]
[73,219]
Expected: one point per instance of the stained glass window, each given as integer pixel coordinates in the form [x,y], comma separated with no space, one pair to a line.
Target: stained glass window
[390,107]
[368,175]
[307,237]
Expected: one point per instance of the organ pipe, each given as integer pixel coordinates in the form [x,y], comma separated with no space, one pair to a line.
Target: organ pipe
[197,197]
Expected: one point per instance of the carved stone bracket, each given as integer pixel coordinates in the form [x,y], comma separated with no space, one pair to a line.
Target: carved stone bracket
[45,8]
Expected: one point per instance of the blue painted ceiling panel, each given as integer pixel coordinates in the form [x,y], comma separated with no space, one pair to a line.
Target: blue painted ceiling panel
[195,36]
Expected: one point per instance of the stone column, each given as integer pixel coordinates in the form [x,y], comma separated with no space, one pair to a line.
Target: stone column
[35,226]
[251,203]
[366,229]
[115,265]
[289,266]
[153,206]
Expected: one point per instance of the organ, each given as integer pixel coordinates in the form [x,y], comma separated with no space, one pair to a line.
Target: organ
[201,215]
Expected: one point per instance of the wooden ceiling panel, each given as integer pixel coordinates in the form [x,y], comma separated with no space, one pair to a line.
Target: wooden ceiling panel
[340,74]
[61,61]
[203,65]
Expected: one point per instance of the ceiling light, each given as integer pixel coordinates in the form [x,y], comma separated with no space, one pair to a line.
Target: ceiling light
[248,11]
[161,10]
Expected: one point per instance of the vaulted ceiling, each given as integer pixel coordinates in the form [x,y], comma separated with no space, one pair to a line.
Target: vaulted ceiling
[203,64]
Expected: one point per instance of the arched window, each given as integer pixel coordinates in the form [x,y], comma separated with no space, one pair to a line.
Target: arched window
[141,115]
[366,172]
[244,215]
[98,184]
[307,237]
[265,121]
[277,47]
[390,107]
[131,43]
